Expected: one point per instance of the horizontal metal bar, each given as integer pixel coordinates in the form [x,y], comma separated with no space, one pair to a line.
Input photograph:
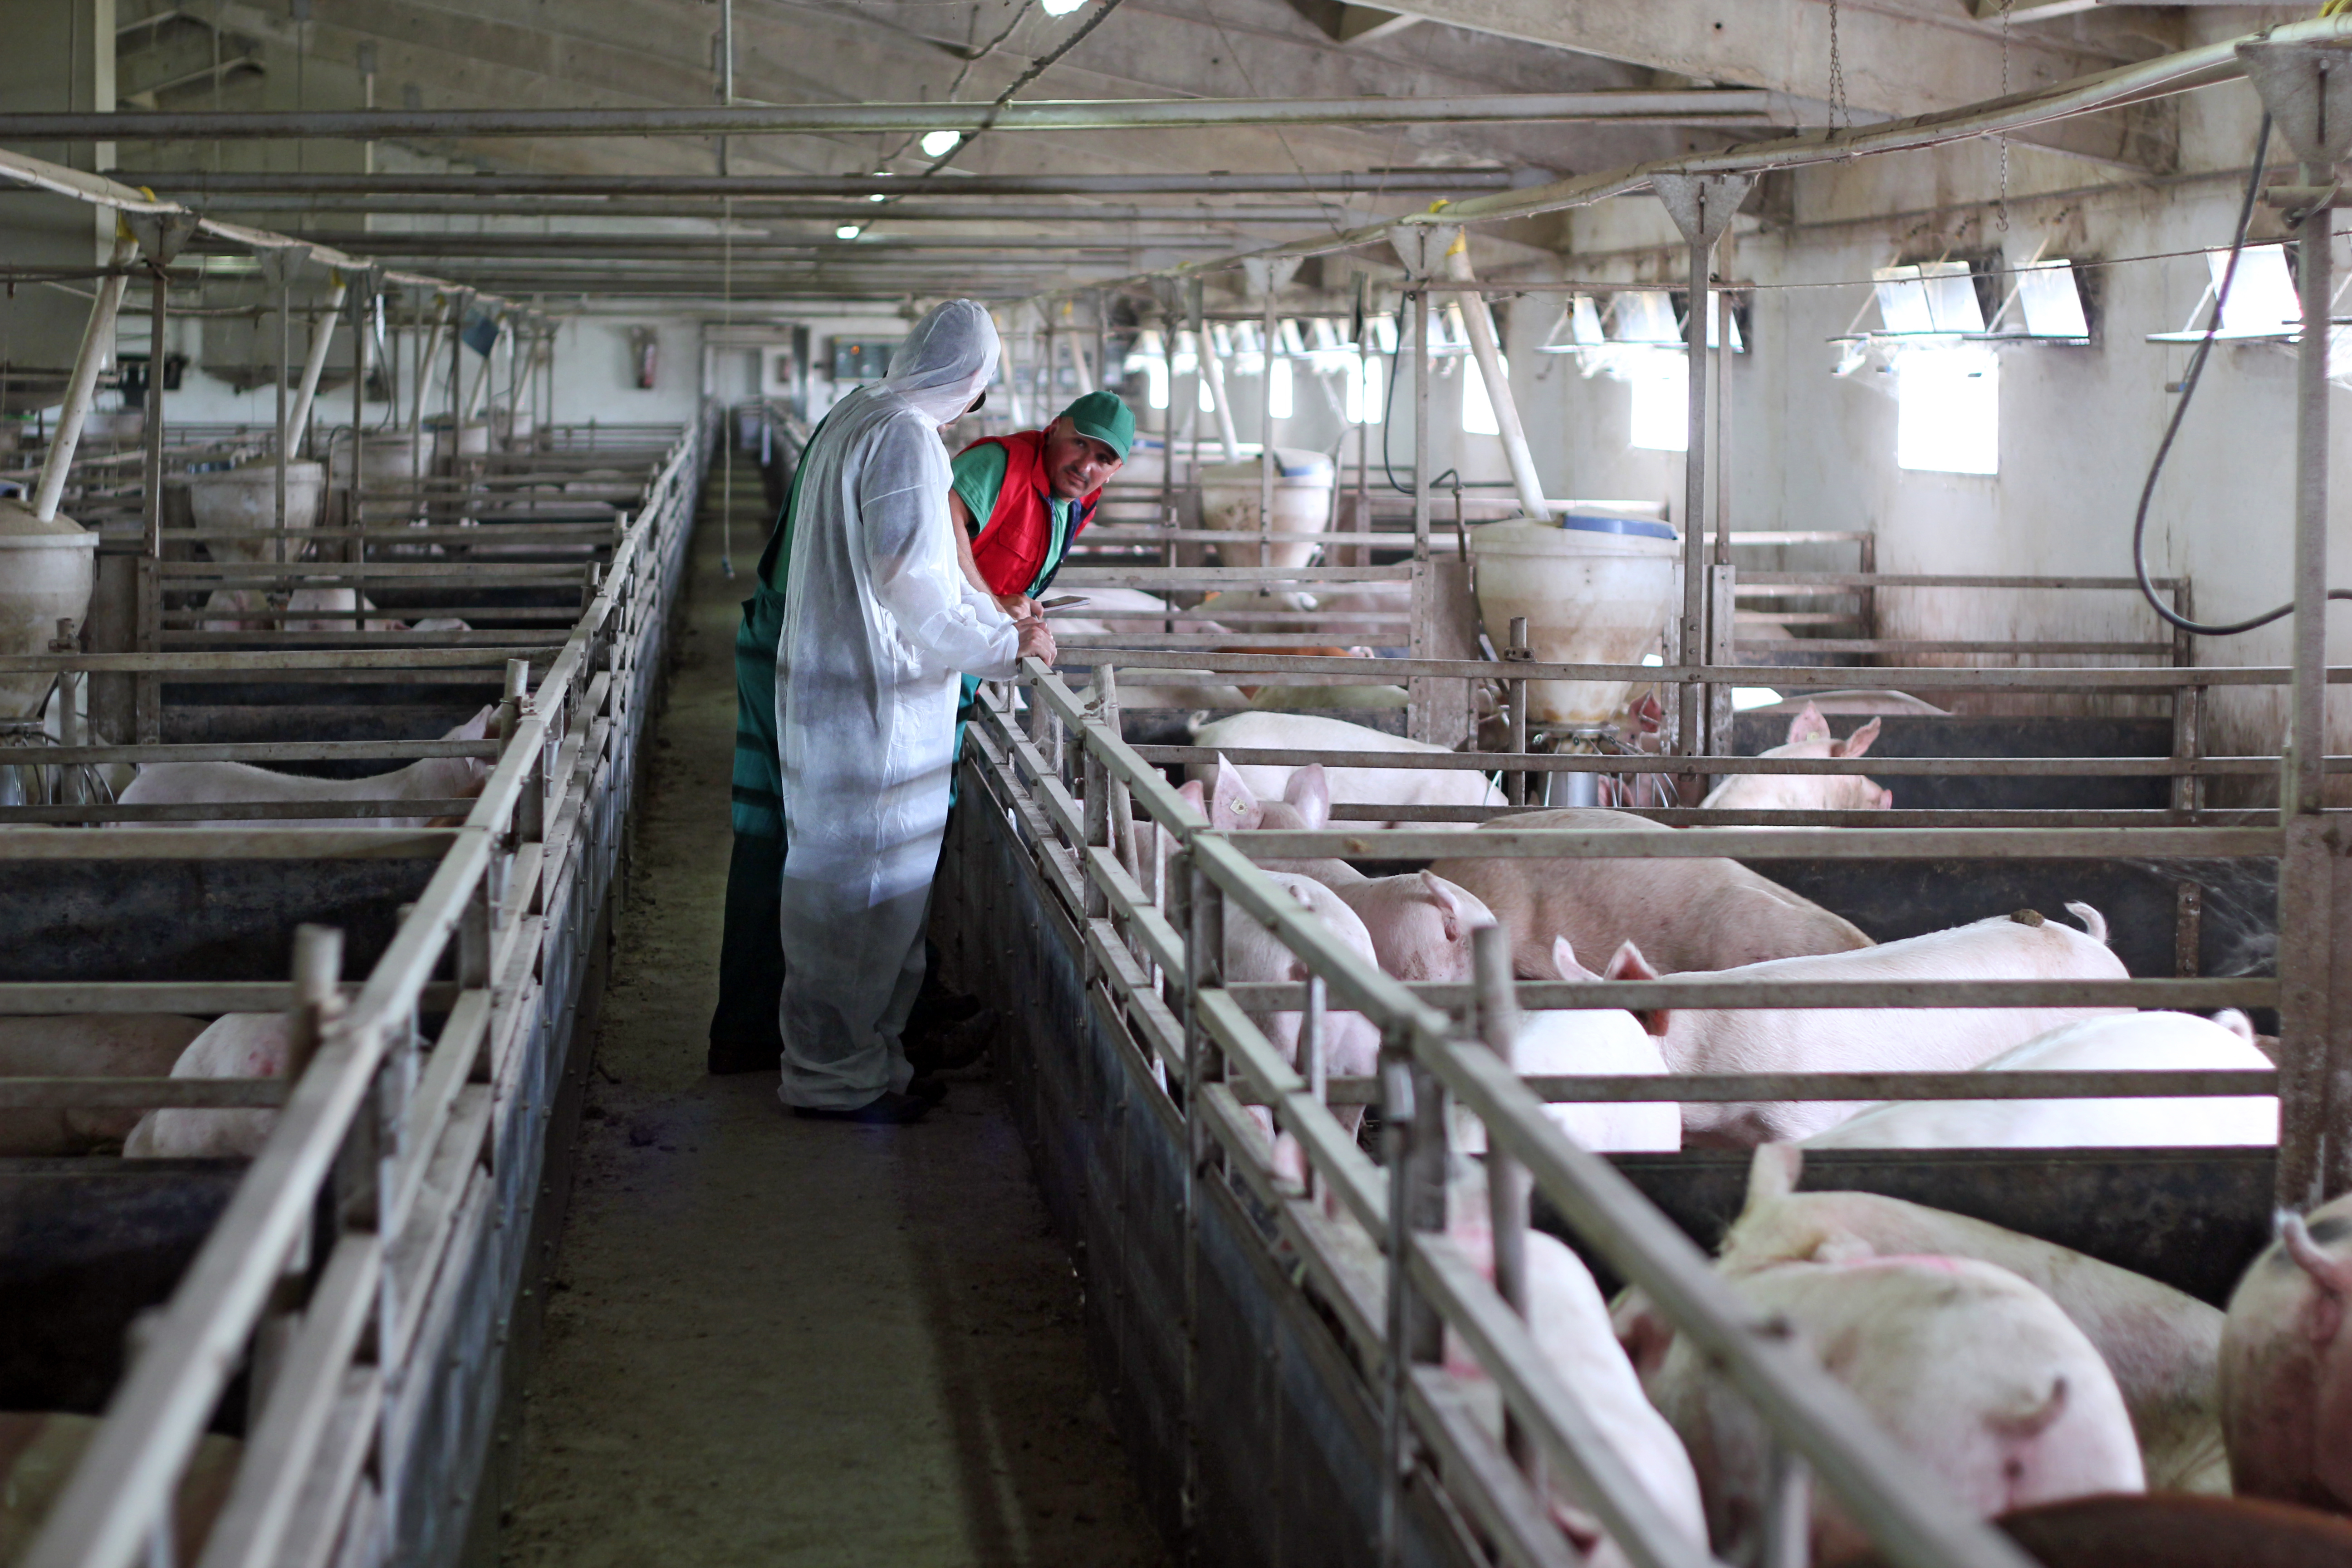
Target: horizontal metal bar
[240,811]
[223,843]
[950,183]
[1729,1088]
[1816,767]
[1774,844]
[141,1093]
[391,662]
[1222,576]
[1909,679]
[1909,645]
[253,751]
[1729,989]
[1928,580]
[1635,106]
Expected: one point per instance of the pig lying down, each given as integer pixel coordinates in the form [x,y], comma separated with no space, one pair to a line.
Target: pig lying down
[2022,946]
[2162,1346]
[1399,787]
[1809,736]
[427,778]
[1683,914]
[238,1045]
[2127,1042]
[1589,1042]
[85,1044]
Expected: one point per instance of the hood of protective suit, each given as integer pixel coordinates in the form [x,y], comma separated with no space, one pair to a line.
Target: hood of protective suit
[945,362]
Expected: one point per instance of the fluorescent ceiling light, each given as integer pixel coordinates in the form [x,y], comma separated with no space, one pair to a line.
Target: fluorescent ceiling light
[936,142]
[846,231]
[1060,7]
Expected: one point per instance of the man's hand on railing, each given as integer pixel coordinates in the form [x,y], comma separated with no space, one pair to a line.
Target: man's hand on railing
[1036,642]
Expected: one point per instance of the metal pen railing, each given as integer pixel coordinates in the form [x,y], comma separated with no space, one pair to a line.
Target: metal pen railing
[1150,888]
[339,1265]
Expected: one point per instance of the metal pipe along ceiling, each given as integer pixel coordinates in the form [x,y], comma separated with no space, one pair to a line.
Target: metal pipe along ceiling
[1190,218]
[1741,105]
[751,188]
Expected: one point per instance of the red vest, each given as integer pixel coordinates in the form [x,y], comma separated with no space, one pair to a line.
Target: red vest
[1017,535]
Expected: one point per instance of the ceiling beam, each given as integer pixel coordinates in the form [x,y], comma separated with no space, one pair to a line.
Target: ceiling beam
[1894,61]
[1731,108]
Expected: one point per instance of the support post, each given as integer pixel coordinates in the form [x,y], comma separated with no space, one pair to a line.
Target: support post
[1518,653]
[2308,90]
[1701,206]
[1489,352]
[1266,276]
[161,237]
[323,337]
[81,386]
[1507,1184]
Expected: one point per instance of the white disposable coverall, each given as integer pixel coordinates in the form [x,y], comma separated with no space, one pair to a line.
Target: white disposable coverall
[879,624]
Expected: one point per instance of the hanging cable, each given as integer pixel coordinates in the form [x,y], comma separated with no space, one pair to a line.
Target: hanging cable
[2165,612]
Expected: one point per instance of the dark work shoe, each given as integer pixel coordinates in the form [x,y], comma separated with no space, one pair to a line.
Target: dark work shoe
[928,1088]
[740,1055]
[955,1047]
[892,1110]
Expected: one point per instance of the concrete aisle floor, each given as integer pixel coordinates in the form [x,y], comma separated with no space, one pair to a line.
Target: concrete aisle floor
[774,1342]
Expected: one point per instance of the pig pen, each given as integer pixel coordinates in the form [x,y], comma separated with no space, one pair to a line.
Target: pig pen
[1241,1317]
[344,1302]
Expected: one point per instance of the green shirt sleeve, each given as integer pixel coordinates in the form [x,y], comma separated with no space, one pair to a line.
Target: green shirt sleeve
[979,475]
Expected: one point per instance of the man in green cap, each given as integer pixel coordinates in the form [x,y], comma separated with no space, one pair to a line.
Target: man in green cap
[1023,497]
[1020,501]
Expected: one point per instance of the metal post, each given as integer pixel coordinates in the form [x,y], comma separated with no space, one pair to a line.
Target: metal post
[1507,1184]
[81,386]
[1205,952]
[1265,443]
[1423,310]
[1518,653]
[323,337]
[1701,206]
[1489,352]
[2308,91]
[726,72]
[147,693]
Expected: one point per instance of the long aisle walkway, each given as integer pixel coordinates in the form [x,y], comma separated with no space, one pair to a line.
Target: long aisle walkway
[772,1341]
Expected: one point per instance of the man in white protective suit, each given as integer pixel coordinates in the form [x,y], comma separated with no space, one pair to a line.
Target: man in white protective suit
[878,625]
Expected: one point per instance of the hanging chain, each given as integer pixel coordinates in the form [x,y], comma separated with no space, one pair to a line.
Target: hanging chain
[2003,206]
[1840,115]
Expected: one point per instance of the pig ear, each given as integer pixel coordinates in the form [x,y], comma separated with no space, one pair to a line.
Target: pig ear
[1808,725]
[1231,798]
[1886,799]
[1563,958]
[1309,790]
[1449,908]
[1772,1173]
[2237,1023]
[2332,1275]
[1627,963]
[1190,791]
[1854,745]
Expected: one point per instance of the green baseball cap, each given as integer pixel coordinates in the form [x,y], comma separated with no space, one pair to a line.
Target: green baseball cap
[1103,417]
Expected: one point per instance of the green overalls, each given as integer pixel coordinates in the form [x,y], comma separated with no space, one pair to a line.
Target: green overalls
[744,1032]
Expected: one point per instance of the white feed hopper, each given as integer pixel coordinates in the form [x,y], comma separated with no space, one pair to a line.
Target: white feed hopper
[473,441]
[1595,589]
[389,460]
[47,571]
[1230,494]
[246,499]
